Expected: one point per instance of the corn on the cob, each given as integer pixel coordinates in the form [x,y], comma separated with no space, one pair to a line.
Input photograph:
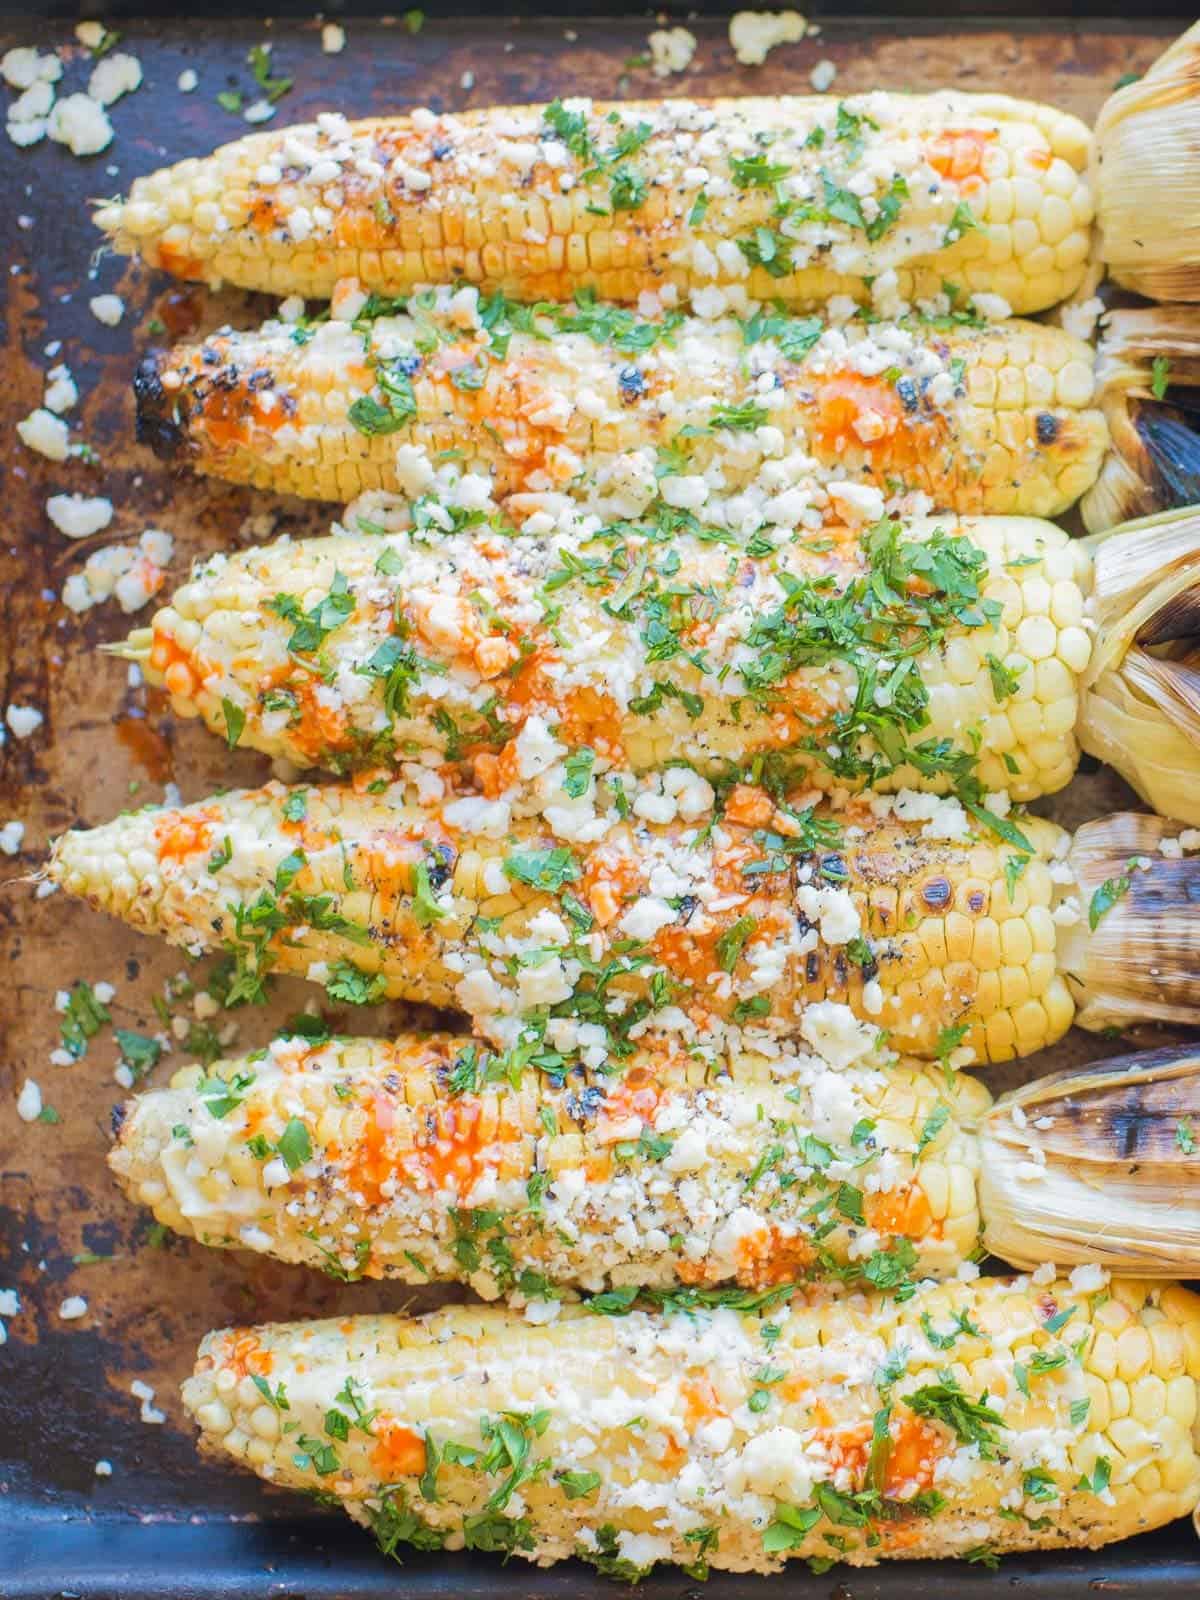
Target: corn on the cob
[1145,357]
[789,197]
[1147,179]
[1099,1164]
[1140,708]
[763,923]
[409,1161]
[893,656]
[980,418]
[970,1420]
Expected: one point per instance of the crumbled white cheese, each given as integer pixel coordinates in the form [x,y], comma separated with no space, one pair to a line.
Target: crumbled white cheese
[11,836]
[72,1308]
[133,574]
[23,720]
[114,76]
[107,308]
[81,124]
[259,111]
[62,392]
[10,1303]
[103,1469]
[753,34]
[42,431]
[467,81]
[143,1392]
[187,80]
[1080,320]
[29,1101]
[90,34]
[671,50]
[22,67]
[1088,1279]
[822,75]
[333,39]
[77,515]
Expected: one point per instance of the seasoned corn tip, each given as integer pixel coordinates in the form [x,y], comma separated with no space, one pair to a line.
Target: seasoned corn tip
[357,652]
[671,1173]
[981,191]
[981,419]
[995,1416]
[763,937]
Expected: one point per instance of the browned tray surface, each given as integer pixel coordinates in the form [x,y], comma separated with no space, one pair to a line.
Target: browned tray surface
[64,1387]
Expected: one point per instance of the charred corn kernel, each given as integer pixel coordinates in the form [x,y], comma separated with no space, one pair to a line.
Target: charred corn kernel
[745,928]
[298,409]
[1144,173]
[356,651]
[373,1159]
[910,1429]
[784,197]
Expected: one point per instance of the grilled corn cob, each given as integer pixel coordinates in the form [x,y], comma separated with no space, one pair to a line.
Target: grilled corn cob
[1146,178]
[731,934]
[1099,1164]
[979,418]
[970,1420]
[894,657]
[1147,357]
[788,197]
[1140,708]
[407,1161]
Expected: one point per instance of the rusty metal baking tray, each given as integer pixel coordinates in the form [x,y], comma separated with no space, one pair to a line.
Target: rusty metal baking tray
[165,1524]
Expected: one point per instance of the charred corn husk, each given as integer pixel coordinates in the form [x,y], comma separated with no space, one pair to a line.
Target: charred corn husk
[1146,174]
[791,197]
[974,1418]
[734,934]
[1140,707]
[1100,1164]
[1146,357]
[407,1161]
[980,418]
[890,656]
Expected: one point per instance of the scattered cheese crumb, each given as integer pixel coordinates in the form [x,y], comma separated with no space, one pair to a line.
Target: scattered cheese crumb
[114,76]
[1080,320]
[132,573]
[1089,1278]
[12,835]
[333,39]
[90,34]
[107,308]
[103,1469]
[42,431]
[186,81]
[259,111]
[754,33]
[79,515]
[29,1101]
[72,1308]
[467,81]
[62,392]
[822,75]
[671,50]
[143,1392]
[10,1303]
[23,720]
[81,124]
[23,67]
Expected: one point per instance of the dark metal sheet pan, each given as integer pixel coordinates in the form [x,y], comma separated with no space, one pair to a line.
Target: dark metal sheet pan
[165,1524]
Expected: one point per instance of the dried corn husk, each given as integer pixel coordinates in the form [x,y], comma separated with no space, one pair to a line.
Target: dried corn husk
[1140,708]
[1133,954]
[1146,177]
[1098,1164]
[1145,360]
